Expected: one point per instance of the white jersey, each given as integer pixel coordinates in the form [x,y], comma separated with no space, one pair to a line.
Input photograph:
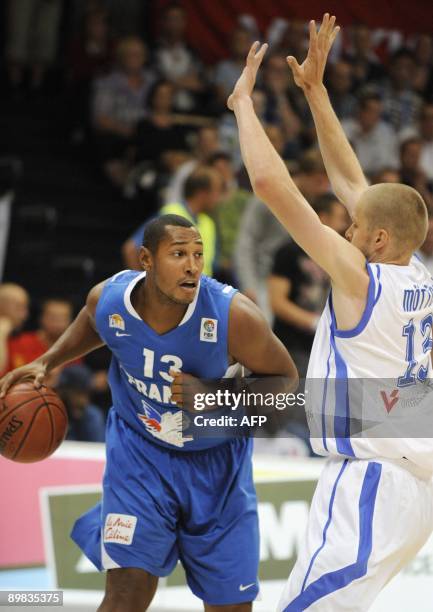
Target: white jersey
[368,388]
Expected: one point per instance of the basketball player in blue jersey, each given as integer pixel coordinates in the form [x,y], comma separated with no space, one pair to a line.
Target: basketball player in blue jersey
[373,507]
[170,494]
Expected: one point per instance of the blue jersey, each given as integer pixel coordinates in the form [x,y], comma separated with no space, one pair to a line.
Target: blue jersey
[139,372]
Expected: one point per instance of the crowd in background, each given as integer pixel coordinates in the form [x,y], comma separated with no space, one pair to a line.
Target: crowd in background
[155,118]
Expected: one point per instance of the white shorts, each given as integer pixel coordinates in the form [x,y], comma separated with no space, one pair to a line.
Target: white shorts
[367,520]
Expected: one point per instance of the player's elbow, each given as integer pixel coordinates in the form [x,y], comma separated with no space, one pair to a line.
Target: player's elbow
[262,186]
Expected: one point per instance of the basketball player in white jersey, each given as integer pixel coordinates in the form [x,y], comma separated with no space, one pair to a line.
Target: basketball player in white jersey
[373,507]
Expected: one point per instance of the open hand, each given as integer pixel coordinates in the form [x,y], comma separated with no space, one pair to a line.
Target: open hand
[245,84]
[310,72]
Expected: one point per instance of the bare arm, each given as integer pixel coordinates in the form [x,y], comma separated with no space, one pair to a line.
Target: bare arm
[79,339]
[285,309]
[342,166]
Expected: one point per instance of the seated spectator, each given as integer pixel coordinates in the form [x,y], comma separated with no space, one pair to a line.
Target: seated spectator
[206,143]
[374,141]
[203,190]
[423,54]
[410,168]
[118,105]
[425,252]
[14,311]
[386,175]
[298,287]
[56,316]
[86,421]
[361,56]
[401,105]
[228,215]
[228,71]
[160,135]
[90,57]
[340,82]
[423,131]
[175,61]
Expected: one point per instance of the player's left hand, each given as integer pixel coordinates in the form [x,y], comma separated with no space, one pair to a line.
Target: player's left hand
[310,72]
[245,83]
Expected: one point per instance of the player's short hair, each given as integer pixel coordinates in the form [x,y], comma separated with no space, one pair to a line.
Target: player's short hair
[155,230]
[200,180]
[324,203]
[400,210]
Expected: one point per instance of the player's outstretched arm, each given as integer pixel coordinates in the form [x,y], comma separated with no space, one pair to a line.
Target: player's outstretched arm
[343,168]
[273,184]
[79,339]
[253,344]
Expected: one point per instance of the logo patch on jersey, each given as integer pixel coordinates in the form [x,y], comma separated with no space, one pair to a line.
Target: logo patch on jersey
[119,528]
[208,330]
[167,426]
[390,401]
[116,321]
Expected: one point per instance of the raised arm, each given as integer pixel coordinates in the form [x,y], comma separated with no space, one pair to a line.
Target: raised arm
[342,166]
[78,339]
[273,184]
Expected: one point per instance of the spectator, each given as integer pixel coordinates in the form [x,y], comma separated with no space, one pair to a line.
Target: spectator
[374,141]
[410,168]
[31,39]
[56,316]
[298,287]
[86,421]
[386,175]
[160,136]
[340,84]
[423,53]
[361,56]
[425,252]
[425,132]
[261,234]
[14,310]
[401,105]
[203,189]
[227,72]
[207,143]
[118,105]
[176,61]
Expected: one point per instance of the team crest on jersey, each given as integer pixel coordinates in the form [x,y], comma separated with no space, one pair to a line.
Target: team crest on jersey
[116,321]
[167,426]
[208,330]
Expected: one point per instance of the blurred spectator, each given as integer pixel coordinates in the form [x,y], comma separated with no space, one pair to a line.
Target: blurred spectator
[206,143]
[298,287]
[118,105]
[424,131]
[423,53]
[56,316]
[86,421]
[90,57]
[425,252]
[374,141]
[160,136]
[261,234]
[401,104]
[228,71]
[386,175]
[410,168]
[361,56]
[228,215]
[203,189]
[340,83]
[294,40]
[176,61]
[32,34]
[14,311]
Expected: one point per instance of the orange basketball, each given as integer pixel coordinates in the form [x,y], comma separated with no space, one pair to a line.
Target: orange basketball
[33,423]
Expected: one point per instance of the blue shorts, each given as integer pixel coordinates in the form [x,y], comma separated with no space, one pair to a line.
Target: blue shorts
[160,506]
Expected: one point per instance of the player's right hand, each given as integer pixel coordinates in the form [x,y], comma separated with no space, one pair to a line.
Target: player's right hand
[310,72]
[36,371]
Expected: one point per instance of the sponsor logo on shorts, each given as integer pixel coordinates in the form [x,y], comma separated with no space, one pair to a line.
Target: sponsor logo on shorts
[119,528]
[116,321]
[208,330]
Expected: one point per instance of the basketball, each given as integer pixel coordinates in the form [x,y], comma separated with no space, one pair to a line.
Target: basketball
[33,423]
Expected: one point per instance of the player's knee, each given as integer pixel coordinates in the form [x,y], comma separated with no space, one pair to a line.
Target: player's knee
[128,590]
